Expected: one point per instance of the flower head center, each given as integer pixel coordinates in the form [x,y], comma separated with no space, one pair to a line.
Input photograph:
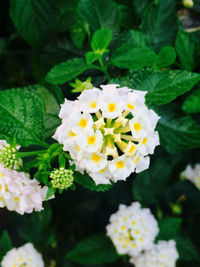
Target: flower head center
[91,140]
[111,107]
[96,158]
[82,123]
[120,164]
[137,126]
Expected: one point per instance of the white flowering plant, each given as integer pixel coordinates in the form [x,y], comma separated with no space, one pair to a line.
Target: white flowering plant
[99,133]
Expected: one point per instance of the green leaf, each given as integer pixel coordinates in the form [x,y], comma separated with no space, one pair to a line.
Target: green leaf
[151,184]
[91,57]
[99,14]
[37,228]
[192,102]
[78,34]
[133,58]
[34,19]
[169,227]
[186,248]
[101,39]
[159,22]
[95,249]
[5,244]
[166,57]
[86,181]
[52,97]
[178,134]
[185,48]
[135,38]
[50,192]
[162,86]
[66,71]
[22,116]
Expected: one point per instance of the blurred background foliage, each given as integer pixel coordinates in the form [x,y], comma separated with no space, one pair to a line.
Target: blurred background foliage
[35,36]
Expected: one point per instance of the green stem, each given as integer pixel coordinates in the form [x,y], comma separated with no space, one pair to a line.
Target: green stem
[29,154]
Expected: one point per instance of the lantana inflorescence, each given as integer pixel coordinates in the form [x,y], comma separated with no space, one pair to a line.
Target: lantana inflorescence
[62,178]
[132,229]
[25,255]
[109,133]
[162,254]
[18,191]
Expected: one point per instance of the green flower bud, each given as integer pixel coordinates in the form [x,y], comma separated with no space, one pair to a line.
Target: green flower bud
[62,178]
[8,157]
[188,3]
[81,86]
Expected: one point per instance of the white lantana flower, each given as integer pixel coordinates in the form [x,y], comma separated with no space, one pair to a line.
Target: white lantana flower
[192,174]
[26,255]
[20,193]
[115,125]
[163,254]
[132,229]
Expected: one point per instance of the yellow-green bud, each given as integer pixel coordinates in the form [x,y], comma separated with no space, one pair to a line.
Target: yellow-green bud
[62,178]
[188,3]
[8,157]
[81,86]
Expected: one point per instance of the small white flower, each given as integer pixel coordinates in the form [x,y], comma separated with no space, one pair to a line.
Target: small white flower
[102,177]
[90,141]
[121,167]
[20,193]
[94,162]
[192,174]
[114,124]
[132,229]
[163,254]
[89,100]
[25,255]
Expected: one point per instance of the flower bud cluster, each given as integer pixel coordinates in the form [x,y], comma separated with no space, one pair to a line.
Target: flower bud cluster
[8,157]
[62,178]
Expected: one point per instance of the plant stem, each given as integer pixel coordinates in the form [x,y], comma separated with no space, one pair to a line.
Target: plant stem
[29,154]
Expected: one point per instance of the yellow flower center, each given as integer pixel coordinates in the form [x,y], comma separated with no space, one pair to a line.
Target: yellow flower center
[2,175]
[136,161]
[144,141]
[93,104]
[130,106]
[71,134]
[102,171]
[16,199]
[111,107]
[96,158]
[77,148]
[131,149]
[0,187]
[82,123]
[120,164]
[137,126]
[1,198]
[91,140]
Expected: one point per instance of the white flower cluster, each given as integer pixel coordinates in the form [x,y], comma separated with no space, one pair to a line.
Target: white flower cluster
[26,255]
[17,191]
[192,174]
[109,133]
[20,193]
[132,229]
[162,254]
